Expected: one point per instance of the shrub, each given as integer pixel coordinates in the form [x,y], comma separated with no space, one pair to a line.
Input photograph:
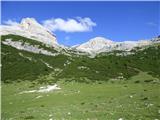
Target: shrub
[29,117]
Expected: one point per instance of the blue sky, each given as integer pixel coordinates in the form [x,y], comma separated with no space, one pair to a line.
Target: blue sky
[118,21]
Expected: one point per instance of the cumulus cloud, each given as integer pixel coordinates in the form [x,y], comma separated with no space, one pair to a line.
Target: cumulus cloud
[70,25]
[11,22]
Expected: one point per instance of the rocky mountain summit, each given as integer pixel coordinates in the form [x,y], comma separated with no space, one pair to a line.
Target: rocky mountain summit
[101,44]
[30,28]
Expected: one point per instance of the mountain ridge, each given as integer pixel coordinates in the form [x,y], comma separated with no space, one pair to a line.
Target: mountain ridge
[56,62]
[102,59]
[30,28]
[105,45]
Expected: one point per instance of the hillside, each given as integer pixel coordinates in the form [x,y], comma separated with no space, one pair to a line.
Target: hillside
[22,63]
[27,65]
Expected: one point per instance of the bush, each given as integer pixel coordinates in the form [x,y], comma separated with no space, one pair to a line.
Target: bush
[137,81]
[147,81]
[29,117]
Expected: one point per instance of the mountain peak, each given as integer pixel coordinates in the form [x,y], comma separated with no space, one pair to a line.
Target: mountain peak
[100,40]
[95,44]
[28,20]
[30,23]
[30,28]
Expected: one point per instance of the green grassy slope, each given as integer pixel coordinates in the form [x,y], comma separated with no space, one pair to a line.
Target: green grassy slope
[80,101]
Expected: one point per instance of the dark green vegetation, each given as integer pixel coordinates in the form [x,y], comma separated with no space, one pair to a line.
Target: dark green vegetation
[20,64]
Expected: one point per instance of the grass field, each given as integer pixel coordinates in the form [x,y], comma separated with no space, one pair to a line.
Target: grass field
[80,101]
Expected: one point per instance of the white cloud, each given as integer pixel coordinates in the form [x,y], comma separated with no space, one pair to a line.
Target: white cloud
[70,25]
[10,22]
[152,24]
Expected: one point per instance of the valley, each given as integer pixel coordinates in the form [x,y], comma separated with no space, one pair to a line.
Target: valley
[98,80]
